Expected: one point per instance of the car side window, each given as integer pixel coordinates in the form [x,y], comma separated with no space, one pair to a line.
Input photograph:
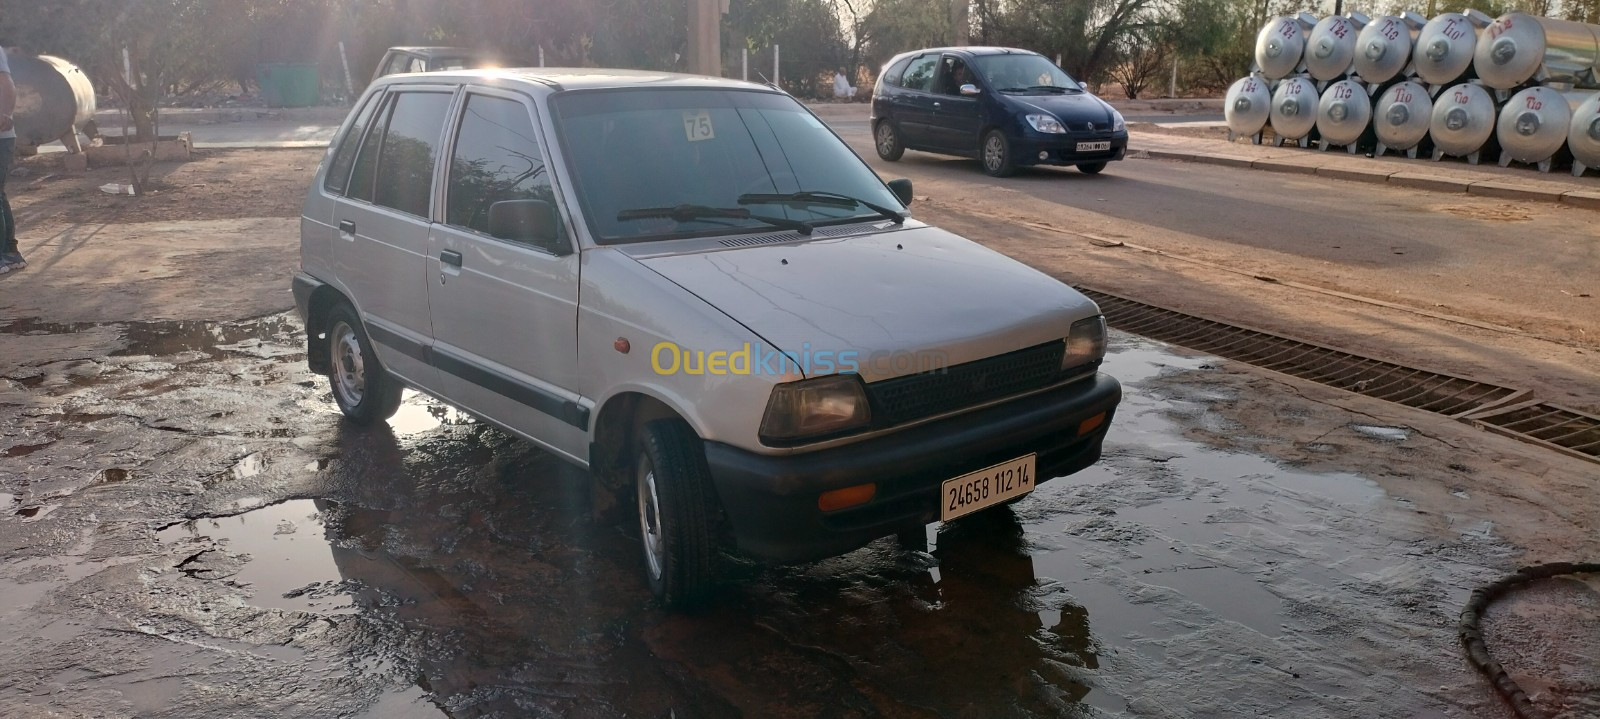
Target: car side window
[361,178]
[410,147]
[896,73]
[338,176]
[497,157]
[417,65]
[397,63]
[919,74]
[953,74]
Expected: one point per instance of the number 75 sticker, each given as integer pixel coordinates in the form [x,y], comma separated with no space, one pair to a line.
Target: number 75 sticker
[697,126]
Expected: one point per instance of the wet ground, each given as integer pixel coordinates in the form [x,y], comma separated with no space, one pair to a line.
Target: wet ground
[191,531]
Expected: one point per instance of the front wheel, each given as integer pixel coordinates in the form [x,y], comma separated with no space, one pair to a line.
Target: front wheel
[1091,168]
[995,155]
[676,503]
[361,387]
[887,140]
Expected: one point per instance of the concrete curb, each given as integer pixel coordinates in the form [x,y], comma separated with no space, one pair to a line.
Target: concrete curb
[1503,189]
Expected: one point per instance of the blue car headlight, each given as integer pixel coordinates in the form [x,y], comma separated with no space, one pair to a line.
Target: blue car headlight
[1047,124]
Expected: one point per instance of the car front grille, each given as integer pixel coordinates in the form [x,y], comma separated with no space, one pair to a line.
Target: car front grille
[912,397]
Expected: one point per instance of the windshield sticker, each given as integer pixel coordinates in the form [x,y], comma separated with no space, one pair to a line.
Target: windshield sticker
[697,126]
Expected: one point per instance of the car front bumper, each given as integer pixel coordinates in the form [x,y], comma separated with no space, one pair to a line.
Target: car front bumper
[771,501]
[1063,150]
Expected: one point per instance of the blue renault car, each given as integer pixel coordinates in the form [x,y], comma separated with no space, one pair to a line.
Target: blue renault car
[1008,108]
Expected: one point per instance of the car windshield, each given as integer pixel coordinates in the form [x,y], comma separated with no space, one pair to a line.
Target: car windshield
[1029,74]
[684,153]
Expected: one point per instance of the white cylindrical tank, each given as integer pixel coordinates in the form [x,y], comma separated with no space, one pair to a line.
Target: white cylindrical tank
[1518,47]
[54,98]
[1331,47]
[1583,137]
[1532,127]
[1247,106]
[1401,117]
[1444,46]
[1463,119]
[1384,46]
[1294,109]
[1281,45]
[1343,114]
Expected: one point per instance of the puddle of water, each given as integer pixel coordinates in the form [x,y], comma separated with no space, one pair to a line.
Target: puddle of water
[113,474]
[290,565]
[409,703]
[420,413]
[1388,434]
[170,337]
[7,501]
[23,450]
[248,466]
[36,512]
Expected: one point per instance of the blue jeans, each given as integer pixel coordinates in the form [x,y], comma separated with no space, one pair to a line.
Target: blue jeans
[8,224]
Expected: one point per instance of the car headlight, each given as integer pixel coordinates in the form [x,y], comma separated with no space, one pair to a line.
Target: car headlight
[815,407]
[1047,124]
[1117,123]
[1086,342]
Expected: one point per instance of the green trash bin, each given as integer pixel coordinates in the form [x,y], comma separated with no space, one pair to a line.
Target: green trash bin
[289,84]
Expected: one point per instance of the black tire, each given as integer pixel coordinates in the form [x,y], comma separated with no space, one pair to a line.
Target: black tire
[676,509]
[994,155]
[886,138]
[1091,168]
[363,389]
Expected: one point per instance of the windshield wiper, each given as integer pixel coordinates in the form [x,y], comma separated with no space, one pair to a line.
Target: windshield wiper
[820,197]
[690,213]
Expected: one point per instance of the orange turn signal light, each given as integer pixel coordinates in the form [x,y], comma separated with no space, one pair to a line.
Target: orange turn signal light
[847,497]
[1092,423]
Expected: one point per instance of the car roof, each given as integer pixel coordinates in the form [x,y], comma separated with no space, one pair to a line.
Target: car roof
[433,50]
[969,51]
[587,78]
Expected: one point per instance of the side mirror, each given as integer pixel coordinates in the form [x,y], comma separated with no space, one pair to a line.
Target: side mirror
[970,89]
[901,189]
[528,221]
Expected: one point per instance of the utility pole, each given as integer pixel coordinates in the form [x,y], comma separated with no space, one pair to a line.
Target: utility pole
[705,36]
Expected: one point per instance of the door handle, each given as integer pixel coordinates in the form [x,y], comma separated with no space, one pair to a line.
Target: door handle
[450,257]
[347,229]
[935,105]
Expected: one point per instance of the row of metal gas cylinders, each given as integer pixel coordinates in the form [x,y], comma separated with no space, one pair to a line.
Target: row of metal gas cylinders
[1458,84]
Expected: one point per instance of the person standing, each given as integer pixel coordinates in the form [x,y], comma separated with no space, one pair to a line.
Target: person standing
[10,258]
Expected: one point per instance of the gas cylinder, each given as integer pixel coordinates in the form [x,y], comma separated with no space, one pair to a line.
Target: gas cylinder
[1533,125]
[1384,46]
[1517,47]
[1294,109]
[1444,47]
[1401,118]
[1331,46]
[1247,106]
[1343,114]
[1463,119]
[1583,135]
[1281,45]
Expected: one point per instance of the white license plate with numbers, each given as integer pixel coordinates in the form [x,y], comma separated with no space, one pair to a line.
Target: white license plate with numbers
[986,487]
[1094,146]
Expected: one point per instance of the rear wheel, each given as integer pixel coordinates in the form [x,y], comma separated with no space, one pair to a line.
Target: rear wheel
[1091,168]
[887,140]
[676,503]
[363,390]
[995,155]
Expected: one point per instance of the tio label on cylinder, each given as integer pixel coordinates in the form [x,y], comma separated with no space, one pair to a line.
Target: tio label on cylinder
[1463,119]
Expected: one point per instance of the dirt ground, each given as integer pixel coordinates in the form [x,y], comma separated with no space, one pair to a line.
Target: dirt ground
[187,528]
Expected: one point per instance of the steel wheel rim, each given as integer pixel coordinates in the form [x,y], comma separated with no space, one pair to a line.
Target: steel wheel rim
[993,152]
[349,368]
[885,139]
[649,517]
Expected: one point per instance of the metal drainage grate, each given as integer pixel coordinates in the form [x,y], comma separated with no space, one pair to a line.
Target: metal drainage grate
[1559,428]
[1432,391]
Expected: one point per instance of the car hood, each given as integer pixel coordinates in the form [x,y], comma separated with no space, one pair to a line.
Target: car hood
[1074,110]
[921,293]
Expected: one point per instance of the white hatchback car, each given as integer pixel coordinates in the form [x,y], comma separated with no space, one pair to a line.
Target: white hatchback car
[693,288]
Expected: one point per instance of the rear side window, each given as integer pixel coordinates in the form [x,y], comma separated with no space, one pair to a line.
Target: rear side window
[367,158]
[339,169]
[919,75]
[410,146]
[497,158]
[896,72]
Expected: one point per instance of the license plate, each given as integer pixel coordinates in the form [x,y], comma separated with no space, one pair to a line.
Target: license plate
[1094,146]
[985,488]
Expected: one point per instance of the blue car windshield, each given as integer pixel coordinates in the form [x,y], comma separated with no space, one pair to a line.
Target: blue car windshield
[708,154]
[1024,74]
